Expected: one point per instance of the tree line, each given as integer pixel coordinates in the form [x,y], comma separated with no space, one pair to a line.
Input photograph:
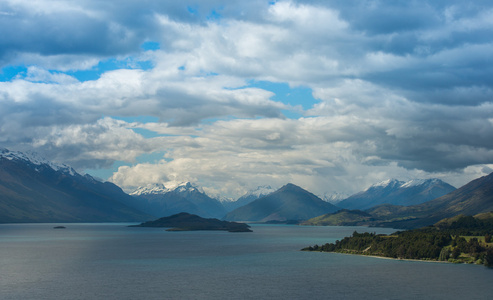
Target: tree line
[464,240]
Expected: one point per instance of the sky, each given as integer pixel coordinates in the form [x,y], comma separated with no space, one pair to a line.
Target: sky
[332,96]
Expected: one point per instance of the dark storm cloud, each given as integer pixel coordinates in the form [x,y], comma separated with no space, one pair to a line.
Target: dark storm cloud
[98,28]
[376,17]
[63,33]
[436,139]
[427,46]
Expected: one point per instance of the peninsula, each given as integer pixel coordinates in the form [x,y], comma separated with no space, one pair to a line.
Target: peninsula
[189,222]
[461,239]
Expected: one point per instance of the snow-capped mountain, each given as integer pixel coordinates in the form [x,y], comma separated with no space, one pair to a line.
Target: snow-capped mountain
[35,160]
[260,191]
[159,188]
[386,184]
[250,196]
[188,187]
[422,182]
[37,190]
[150,189]
[160,201]
[334,197]
[397,192]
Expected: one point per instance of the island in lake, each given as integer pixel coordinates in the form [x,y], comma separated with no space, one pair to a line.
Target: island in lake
[461,239]
[189,222]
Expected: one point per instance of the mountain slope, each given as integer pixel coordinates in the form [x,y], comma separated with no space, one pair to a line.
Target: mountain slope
[397,193]
[35,190]
[473,198]
[288,203]
[249,197]
[344,217]
[161,202]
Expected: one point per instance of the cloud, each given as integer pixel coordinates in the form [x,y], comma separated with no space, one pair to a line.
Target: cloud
[95,145]
[174,98]
[233,156]
[415,135]
[402,89]
[319,153]
[62,28]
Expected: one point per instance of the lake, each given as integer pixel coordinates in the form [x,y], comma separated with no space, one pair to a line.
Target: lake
[113,261]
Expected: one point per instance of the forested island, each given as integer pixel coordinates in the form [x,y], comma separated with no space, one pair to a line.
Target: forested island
[462,239]
[189,222]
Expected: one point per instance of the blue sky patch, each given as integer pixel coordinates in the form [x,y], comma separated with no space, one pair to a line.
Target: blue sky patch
[109,65]
[150,45]
[289,95]
[137,119]
[10,72]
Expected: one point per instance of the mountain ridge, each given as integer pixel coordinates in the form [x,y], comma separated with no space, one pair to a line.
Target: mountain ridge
[35,190]
[160,201]
[248,197]
[395,192]
[290,202]
[475,197]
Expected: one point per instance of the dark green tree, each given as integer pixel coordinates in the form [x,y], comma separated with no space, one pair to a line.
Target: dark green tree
[488,258]
[487,238]
[455,253]
[444,254]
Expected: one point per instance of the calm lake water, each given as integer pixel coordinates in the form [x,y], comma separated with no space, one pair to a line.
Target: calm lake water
[112,261]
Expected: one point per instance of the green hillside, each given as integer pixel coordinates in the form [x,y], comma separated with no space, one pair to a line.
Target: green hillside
[462,239]
[344,217]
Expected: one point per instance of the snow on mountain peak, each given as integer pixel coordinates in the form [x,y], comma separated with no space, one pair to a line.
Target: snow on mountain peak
[153,188]
[418,182]
[262,191]
[161,189]
[334,197]
[386,183]
[404,184]
[413,182]
[258,192]
[35,159]
[188,187]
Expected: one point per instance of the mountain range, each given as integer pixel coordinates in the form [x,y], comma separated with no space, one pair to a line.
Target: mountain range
[397,192]
[160,201]
[471,199]
[35,190]
[249,197]
[474,198]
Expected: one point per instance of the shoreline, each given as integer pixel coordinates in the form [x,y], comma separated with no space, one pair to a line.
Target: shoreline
[407,259]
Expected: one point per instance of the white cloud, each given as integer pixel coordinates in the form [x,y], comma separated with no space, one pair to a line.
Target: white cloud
[404,90]
[35,74]
[93,145]
[321,154]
